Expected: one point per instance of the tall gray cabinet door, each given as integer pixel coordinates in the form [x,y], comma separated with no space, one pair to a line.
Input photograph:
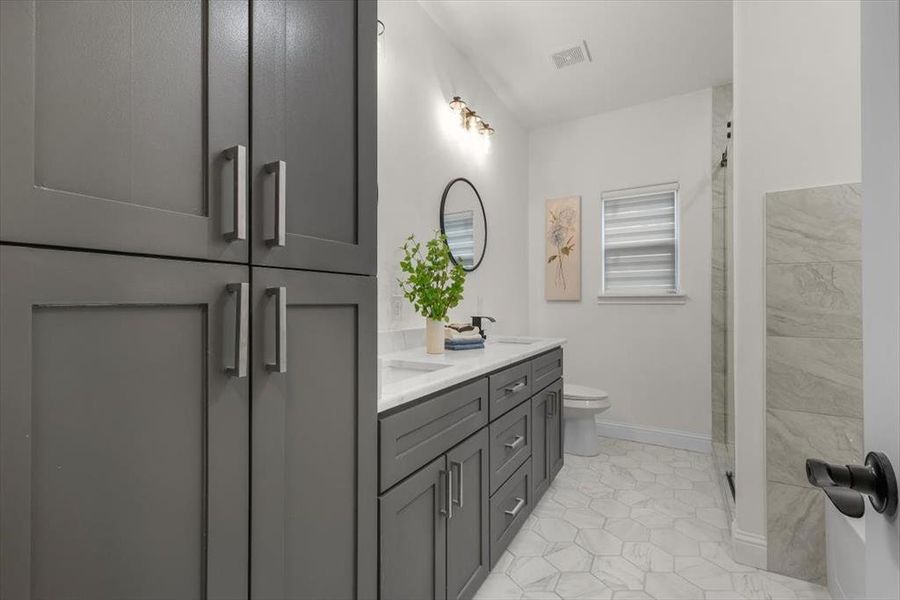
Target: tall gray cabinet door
[116,121]
[556,428]
[123,441]
[540,452]
[314,494]
[413,543]
[314,134]
[468,526]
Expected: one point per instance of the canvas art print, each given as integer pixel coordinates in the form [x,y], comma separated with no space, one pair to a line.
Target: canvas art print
[562,267]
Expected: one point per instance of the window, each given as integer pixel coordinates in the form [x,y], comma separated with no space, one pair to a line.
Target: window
[640,242]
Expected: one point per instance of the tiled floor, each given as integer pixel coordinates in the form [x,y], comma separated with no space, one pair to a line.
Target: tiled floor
[637,521]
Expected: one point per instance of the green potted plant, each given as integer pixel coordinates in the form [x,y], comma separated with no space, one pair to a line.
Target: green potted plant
[433,284]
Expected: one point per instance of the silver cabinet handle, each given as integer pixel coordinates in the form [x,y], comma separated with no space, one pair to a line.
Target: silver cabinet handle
[241,333]
[446,495]
[515,388]
[238,156]
[520,502]
[459,482]
[280,364]
[517,441]
[279,168]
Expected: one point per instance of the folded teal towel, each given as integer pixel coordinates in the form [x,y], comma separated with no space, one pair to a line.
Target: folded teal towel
[464,342]
[455,347]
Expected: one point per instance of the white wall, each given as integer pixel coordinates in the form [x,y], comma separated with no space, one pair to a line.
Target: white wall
[654,360]
[421,148]
[796,125]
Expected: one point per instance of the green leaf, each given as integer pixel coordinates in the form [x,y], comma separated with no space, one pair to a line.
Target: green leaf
[552,258]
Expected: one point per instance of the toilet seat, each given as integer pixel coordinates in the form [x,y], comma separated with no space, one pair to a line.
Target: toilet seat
[580,396]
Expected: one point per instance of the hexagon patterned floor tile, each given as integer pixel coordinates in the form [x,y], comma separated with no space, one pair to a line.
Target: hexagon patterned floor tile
[635,522]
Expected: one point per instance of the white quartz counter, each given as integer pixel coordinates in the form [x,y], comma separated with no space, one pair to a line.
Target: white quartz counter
[411,374]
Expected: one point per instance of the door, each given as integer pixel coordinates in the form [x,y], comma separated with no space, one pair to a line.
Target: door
[118,118]
[555,425]
[540,430]
[468,526]
[413,546]
[123,440]
[314,135]
[880,27]
[314,436]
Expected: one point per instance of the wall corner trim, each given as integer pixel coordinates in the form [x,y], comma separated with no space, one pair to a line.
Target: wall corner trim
[749,548]
[672,438]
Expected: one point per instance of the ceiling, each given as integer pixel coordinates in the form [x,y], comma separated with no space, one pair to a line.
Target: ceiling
[642,50]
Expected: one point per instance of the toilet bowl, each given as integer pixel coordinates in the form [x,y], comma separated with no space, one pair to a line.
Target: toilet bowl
[580,405]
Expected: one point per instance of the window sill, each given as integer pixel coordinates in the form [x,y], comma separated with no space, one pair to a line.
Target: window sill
[641,299]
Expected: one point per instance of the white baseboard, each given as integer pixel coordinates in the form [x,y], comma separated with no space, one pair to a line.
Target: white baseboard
[658,436]
[749,548]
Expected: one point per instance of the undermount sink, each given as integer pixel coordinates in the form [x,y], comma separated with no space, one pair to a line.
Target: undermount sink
[393,371]
[514,340]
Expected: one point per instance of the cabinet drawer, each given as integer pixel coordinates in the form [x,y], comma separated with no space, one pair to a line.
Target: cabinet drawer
[546,368]
[510,506]
[414,437]
[510,443]
[509,387]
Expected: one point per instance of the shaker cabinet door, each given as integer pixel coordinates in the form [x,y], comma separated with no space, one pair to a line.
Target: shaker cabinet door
[468,526]
[314,495]
[540,431]
[556,429]
[314,135]
[123,427]
[413,543]
[126,126]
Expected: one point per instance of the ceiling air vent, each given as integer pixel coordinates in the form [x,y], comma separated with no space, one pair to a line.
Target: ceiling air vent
[572,56]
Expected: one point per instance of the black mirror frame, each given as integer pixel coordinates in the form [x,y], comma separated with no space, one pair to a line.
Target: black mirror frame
[483,216]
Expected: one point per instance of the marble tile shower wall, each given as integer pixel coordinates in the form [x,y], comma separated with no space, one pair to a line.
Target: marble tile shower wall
[813,362]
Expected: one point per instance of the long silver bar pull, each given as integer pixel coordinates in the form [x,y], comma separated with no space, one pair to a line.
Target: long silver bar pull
[241,329]
[520,502]
[280,364]
[515,388]
[444,482]
[459,482]
[238,156]
[279,168]
[517,441]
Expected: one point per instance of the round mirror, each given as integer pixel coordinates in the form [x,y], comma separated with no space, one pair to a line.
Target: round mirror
[464,223]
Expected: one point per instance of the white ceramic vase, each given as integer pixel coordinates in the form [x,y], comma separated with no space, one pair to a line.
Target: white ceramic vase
[434,336]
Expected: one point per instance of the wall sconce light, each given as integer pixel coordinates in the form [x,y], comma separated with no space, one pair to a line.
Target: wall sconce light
[469,119]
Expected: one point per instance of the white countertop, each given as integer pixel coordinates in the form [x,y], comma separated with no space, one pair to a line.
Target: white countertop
[458,366]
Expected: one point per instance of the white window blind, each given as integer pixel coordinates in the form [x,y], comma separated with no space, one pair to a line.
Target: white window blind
[640,241]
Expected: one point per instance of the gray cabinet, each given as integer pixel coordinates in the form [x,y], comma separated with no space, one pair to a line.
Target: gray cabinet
[540,429]
[435,527]
[555,428]
[314,135]
[468,525]
[413,546]
[124,436]
[117,120]
[314,493]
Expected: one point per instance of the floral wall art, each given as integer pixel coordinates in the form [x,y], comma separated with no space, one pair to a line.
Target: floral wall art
[562,268]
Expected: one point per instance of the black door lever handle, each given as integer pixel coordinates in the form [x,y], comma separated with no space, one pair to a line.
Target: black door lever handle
[846,485]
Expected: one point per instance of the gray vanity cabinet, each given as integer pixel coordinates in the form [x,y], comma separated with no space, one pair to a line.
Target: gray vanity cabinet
[124,439]
[413,548]
[436,527]
[468,527]
[540,429]
[555,428]
[126,126]
[547,427]
[314,494]
[314,135]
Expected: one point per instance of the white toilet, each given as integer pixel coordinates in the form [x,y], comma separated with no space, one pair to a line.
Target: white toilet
[580,405]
